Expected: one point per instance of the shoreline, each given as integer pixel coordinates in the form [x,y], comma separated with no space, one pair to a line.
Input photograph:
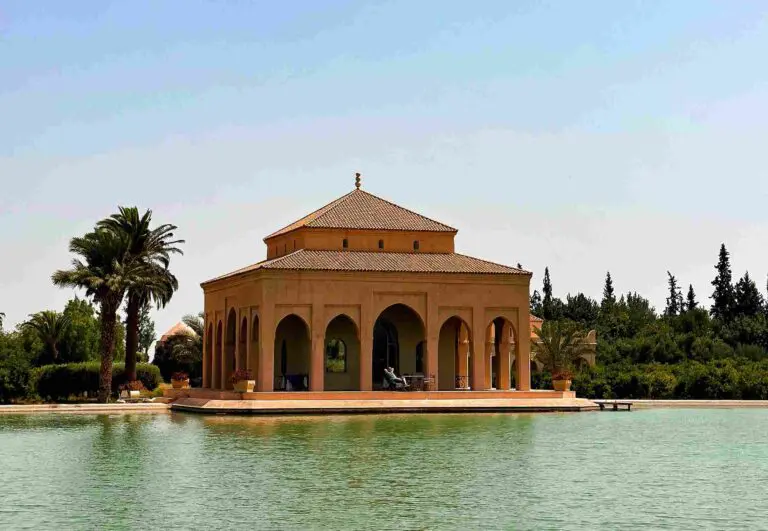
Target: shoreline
[159,407]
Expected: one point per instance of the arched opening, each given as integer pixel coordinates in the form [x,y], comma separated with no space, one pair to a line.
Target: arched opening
[229,350]
[397,335]
[499,353]
[242,345]
[342,355]
[253,361]
[453,349]
[208,356]
[216,384]
[292,354]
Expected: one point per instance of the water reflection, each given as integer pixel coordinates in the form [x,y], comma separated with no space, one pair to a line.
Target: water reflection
[491,471]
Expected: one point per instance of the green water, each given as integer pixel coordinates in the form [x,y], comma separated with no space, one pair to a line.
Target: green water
[653,469]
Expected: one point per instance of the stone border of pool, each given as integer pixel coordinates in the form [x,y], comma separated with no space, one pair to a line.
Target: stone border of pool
[145,407]
[349,406]
[304,407]
[701,404]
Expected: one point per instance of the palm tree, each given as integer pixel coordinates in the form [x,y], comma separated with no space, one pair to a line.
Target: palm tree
[558,347]
[188,346]
[153,249]
[105,269]
[50,327]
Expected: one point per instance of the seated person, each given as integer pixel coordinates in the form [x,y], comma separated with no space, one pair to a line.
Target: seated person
[392,379]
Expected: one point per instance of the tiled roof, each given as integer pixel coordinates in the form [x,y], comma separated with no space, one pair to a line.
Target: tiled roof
[178,328]
[361,210]
[313,260]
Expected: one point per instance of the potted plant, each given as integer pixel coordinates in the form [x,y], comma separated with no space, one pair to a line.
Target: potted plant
[557,345]
[131,389]
[242,381]
[561,381]
[180,380]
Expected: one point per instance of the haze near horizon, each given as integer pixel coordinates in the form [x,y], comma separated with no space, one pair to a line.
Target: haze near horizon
[587,137]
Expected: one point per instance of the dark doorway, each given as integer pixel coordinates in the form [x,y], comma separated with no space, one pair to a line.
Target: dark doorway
[386,352]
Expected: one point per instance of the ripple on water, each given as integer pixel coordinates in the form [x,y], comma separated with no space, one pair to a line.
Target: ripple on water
[660,469]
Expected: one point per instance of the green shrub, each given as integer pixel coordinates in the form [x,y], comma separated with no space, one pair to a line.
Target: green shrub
[59,382]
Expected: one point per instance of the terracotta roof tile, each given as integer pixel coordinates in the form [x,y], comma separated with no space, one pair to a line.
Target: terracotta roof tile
[361,210]
[314,260]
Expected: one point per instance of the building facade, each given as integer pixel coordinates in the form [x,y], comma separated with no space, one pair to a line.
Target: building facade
[360,285]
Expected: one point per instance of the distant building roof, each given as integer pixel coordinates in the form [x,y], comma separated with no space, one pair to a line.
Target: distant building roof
[361,210]
[317,260]
[178,328]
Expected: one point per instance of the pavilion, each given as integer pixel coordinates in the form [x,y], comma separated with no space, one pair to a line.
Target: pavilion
[359,285]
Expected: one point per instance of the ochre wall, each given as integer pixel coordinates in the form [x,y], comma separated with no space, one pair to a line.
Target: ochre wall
[359,240]
[317,297]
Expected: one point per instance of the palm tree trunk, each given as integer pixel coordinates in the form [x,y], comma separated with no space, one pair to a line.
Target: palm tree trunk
[132,336]
[107,348]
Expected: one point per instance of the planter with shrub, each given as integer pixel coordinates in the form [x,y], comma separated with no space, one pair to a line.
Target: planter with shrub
[242,381]
[180,380]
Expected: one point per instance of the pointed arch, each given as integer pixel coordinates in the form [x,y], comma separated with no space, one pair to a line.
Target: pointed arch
[292,354]
[342,354]
[397,333]
[454,351]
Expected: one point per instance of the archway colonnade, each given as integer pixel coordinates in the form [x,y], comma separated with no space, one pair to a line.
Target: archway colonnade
[338,357]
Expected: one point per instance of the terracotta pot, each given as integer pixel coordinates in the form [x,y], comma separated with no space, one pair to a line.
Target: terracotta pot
[561,385]
[180,384]
[245,386]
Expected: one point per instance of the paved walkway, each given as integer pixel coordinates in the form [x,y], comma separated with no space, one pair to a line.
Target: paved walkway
[145,407]
[283,407]
[698,403]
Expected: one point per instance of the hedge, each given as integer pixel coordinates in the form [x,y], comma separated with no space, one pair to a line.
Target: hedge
[59,382]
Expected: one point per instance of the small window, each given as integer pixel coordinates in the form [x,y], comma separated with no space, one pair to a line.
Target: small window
[285,247]
[335,356]
[416,245]
[294,245]
[381,244]
[345,243]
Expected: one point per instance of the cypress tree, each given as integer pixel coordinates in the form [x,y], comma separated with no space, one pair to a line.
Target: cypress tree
[609,297]
[675,299]
[691,303]
[748,301]
[723,297]
[547,304]
[536,303]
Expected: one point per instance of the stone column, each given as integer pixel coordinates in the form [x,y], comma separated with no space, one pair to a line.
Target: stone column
[236,348]
[432,336]
[462,358]
[266,381]
[215,364]
[317,354]
[366,347]
[523,353]
[478,350]
[503,374]
[432,363]
[248,340]
[488,357]
[206,356]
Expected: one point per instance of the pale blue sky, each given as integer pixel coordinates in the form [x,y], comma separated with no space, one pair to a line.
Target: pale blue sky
[586,136]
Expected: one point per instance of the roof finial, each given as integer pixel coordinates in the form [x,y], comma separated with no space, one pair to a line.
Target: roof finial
[357,181]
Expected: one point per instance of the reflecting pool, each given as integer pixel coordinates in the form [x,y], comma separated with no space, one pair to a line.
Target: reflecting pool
[647,469]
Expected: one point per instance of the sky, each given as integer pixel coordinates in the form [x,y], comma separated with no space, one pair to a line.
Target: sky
[585,136]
